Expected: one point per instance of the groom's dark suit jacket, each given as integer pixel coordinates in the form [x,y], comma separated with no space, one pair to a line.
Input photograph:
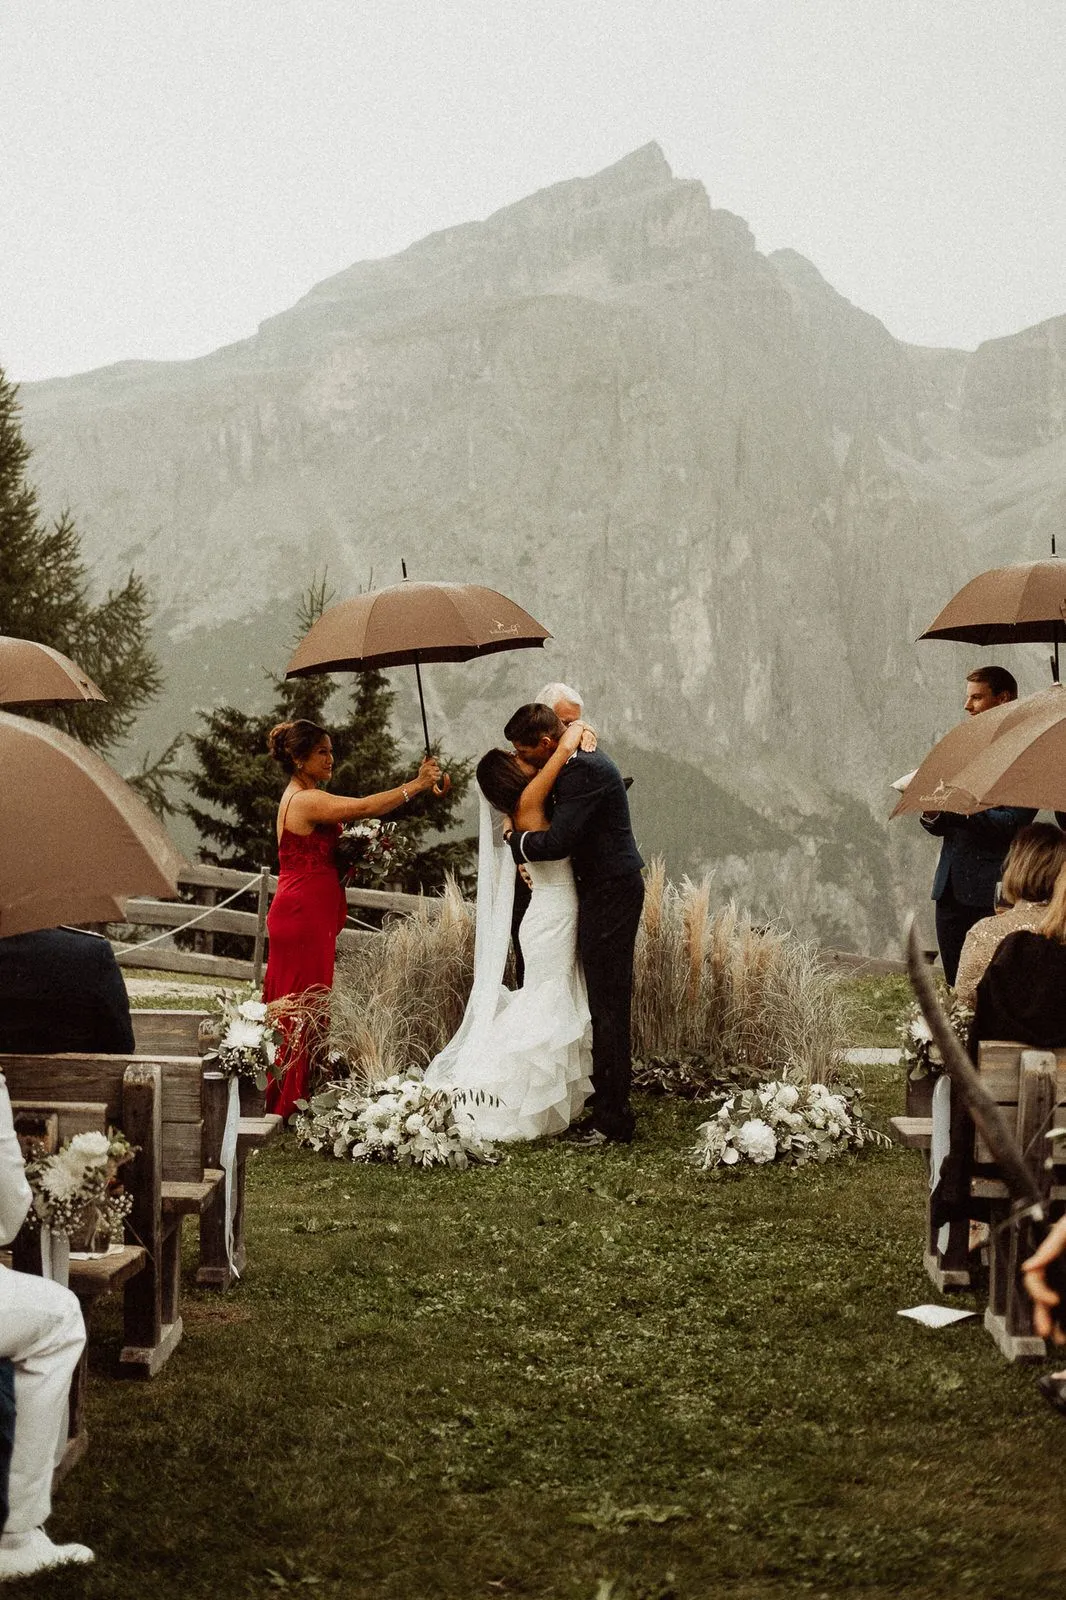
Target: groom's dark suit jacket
[590,823]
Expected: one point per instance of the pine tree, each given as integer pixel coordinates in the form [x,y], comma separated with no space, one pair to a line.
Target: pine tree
[239,781]
[44,595]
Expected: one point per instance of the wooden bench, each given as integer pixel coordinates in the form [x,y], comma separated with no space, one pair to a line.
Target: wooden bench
[1029,1086]
[177,1033]
[90,1279]
[159,1106]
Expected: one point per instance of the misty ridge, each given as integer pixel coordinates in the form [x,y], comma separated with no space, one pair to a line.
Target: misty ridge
[733,497]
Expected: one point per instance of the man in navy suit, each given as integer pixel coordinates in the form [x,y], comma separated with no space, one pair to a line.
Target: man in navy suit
[971,856]
[590,824]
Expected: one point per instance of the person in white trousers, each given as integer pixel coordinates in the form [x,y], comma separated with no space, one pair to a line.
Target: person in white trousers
[43,1334]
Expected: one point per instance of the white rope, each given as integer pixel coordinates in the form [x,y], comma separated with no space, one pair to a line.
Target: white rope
[142,944]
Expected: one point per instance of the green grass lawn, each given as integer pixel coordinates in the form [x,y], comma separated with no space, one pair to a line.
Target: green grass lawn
[585,1375]
[874,1006]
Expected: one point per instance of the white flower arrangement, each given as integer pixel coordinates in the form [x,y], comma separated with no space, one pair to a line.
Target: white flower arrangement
[781,1121]
[244,1040]
[75,1190]
[917,1050]
[397,1120]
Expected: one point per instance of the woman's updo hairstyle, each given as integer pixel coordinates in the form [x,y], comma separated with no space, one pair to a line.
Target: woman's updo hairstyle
[501,780]
[292,742]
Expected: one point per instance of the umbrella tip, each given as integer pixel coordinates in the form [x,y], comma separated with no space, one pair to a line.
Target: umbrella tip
[403,567]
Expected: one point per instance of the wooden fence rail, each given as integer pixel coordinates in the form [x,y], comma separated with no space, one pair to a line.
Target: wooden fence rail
[212,883]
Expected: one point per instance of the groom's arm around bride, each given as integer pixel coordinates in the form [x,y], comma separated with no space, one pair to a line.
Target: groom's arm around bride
[591,825]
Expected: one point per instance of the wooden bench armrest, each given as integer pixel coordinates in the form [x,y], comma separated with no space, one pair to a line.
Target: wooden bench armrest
[188,1199]
[915,1132]
[255,1131]
[99,1276]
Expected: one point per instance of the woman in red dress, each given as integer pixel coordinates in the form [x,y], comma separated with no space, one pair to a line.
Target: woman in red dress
[309,909]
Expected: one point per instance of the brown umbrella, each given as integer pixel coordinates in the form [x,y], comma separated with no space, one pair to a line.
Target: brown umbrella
[32,672]
[1010,755]
[409,623]
[74,838]
[1023,604]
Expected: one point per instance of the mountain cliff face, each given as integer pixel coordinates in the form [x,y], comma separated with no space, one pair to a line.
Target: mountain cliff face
[734,498]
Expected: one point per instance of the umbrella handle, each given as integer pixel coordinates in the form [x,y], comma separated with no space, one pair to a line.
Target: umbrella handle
[438,788]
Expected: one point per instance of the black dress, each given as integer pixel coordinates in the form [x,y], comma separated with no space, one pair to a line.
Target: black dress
[1022,995]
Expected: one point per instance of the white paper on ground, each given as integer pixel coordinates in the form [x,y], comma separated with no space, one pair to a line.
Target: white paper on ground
[935,1316]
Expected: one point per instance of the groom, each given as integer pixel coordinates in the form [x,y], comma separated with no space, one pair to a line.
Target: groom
[590,824]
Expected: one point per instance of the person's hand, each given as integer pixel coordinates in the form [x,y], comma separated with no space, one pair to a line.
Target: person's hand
[1043,1297]
[573,738]
[589,740]
[430,776]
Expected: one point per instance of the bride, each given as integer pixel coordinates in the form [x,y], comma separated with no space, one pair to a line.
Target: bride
[522,1058]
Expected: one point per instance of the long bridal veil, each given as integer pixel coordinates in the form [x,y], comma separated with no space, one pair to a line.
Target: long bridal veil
[492,934]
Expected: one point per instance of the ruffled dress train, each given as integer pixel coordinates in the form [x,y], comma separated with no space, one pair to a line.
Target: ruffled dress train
[521,1066]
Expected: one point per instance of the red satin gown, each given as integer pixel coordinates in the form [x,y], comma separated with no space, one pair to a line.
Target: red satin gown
[305,917]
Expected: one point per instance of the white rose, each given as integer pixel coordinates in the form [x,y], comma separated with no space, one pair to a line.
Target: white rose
[254,1010]
[787,1096]
[730,1156]
[94,1147]
[755,1139]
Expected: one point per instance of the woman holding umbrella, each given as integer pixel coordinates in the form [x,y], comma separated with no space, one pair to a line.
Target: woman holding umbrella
[309,909]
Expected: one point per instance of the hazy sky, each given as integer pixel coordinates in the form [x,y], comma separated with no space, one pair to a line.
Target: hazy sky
[173,171]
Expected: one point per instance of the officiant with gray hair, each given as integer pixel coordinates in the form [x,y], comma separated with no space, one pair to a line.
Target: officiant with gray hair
[564,701]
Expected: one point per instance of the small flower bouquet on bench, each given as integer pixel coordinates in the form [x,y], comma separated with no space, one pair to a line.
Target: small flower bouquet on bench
[76,1192]
[242,1041]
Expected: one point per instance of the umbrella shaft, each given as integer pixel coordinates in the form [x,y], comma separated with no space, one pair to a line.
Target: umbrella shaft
[422,706]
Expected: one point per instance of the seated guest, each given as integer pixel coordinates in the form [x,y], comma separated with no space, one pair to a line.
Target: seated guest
[1032,864]
[1022,995]
[61,989]
[43,1335]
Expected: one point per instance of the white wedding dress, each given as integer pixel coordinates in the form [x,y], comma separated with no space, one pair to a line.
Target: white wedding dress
[522,1059]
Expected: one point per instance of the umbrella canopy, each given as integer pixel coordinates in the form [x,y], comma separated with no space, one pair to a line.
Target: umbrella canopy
[1010,755]
[31,672]
[409,623]
[74,838]
[414,622]
[1023,604]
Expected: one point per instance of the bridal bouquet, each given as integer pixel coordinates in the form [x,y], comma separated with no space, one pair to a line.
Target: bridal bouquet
[397,1120]
[76,1191]
[917,1051]
[243,1040]
[787,1122]
[371,852]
